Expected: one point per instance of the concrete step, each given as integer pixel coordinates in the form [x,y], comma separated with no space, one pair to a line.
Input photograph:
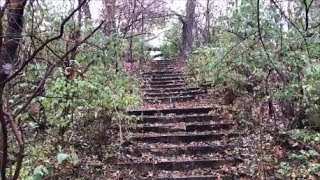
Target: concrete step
[180,150]
[179,75]
[165,78]
[180,165]
[164,82]
[174,89]
[177,111]
[179,118]
[174,127]
[180,85]
[161,72]
[168,99]
[201,177]
[176,93]
[183,137]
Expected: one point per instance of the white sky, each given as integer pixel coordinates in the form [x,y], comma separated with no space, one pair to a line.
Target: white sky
[96,6]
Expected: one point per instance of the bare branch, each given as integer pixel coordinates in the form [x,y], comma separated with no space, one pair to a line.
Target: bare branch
[264,46]
[34,54]
[83,40]
[19,139]
[36,91]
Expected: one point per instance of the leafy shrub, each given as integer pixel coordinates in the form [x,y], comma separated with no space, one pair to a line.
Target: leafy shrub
[170,48]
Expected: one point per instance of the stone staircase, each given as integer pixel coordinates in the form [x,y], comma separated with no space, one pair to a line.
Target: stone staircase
[190,142]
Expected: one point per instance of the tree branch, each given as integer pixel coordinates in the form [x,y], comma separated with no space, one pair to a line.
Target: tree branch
[264,46]
[293,24]
[34,54]
[36,91]
[83,40]
[19,139]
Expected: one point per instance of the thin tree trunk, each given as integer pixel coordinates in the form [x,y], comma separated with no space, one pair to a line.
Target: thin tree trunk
[110,16]
[12,37]
[76,35]
[184,38]
[86,10]
[184,35]
[208,34]
[142,31]
[190,11]
[4,136]
[131,37]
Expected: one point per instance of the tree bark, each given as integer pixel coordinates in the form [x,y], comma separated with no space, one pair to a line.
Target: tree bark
[184,35]
[86,10]
[189,24]
[110,16]
[208,34]
[12,37]
[131,37]
[75,36]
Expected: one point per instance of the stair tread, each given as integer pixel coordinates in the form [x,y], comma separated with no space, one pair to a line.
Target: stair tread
[164,85]
[180,161]
[182,133]
[184,92]
[178,150]
[171,111]
[169,127]
[206,123]
[170,97]
[170,89]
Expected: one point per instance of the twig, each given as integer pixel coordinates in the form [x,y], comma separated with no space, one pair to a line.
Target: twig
[19,139]
[264,46]
[230,49]
[307,13]
[34,54]
[83,40]
[36,91]
[4,131]
[293,24]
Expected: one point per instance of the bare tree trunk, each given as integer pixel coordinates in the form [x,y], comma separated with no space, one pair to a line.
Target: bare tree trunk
[86,10]
[196,38]
[10,44]
[190,11]
[131,37]
[141,59]
[184,38]
[110,16]
[208,34]
[75,36]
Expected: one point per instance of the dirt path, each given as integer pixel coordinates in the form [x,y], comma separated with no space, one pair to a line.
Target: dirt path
[177,137]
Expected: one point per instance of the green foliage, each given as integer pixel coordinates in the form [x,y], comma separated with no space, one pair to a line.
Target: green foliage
[286,69]
[172,43]
[73,158]
[62,157]
[104,90]
[138,48]
[37,161]
[305,136]
[101,92]
[301,172]
[302,163]
[40,171]
[64,103]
